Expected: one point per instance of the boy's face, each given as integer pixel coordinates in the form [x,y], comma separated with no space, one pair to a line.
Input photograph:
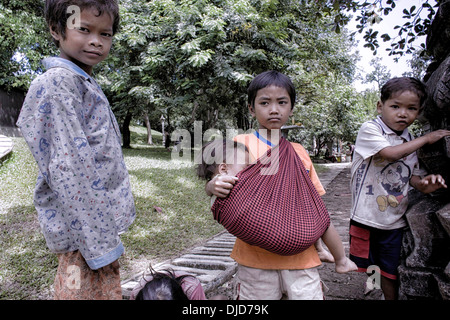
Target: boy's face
[400,110]
[272,107]
[89,44]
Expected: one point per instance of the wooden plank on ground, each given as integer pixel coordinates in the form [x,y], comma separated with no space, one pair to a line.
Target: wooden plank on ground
[6,145]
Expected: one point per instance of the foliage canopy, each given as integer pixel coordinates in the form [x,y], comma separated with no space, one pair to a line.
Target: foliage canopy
[192,60]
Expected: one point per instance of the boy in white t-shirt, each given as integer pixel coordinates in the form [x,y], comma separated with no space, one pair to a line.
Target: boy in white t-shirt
[384,167]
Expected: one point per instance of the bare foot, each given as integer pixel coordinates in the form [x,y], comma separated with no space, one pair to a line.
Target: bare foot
[346,265]
[325,256]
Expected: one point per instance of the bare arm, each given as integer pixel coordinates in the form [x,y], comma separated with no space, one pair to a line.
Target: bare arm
[397,152]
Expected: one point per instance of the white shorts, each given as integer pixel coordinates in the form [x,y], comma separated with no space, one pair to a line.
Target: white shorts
[259,284]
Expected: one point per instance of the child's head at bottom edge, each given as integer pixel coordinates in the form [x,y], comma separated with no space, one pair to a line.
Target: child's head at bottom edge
[164,285]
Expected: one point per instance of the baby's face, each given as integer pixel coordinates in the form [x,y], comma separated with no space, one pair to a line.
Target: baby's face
[234,169]
[241,161]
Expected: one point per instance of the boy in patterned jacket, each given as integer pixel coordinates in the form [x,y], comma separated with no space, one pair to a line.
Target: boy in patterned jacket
[82,195]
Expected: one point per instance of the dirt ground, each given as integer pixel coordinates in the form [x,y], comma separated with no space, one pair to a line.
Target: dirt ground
[336,286]
[343,286]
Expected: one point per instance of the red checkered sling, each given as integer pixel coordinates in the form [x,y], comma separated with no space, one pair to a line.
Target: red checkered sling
[281,212]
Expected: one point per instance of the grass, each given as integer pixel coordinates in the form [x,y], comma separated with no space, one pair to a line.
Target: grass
[28,268]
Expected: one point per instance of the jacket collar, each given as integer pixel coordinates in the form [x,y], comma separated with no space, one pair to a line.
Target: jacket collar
[64,63]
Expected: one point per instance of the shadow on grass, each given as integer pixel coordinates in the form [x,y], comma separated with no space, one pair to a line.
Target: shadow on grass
[185,217]
[139,136]
[27,267]
[155,153]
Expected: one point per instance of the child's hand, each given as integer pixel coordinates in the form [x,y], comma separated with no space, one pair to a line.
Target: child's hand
[221,185]
[437,135]
[429,183]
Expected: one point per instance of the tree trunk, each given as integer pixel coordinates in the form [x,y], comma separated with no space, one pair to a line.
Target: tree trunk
[149,129]
[126,131]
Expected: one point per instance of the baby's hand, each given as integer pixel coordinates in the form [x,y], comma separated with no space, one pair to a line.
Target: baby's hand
[345,265]
[437,135]
[221,185]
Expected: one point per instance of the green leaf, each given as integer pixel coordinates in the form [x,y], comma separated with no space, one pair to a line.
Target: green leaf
[200,58]
[193,45]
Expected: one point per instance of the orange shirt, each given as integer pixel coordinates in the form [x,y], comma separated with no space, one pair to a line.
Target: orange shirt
[256,257]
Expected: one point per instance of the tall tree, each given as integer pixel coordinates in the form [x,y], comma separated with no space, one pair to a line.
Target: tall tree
[380,73]
[24,40]
[198,56]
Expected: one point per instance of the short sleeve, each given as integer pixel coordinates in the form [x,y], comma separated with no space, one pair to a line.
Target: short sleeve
[370,140]
[309,166]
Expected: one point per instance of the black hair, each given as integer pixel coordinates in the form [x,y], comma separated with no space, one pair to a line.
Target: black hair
[207,165]
[164,285]
[267,79]
[402,84]
[56,14]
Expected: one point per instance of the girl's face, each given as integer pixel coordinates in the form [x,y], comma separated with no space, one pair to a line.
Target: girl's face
[88,44]
[272,107]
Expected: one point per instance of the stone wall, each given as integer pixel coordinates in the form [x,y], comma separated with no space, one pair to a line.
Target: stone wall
[424,272]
